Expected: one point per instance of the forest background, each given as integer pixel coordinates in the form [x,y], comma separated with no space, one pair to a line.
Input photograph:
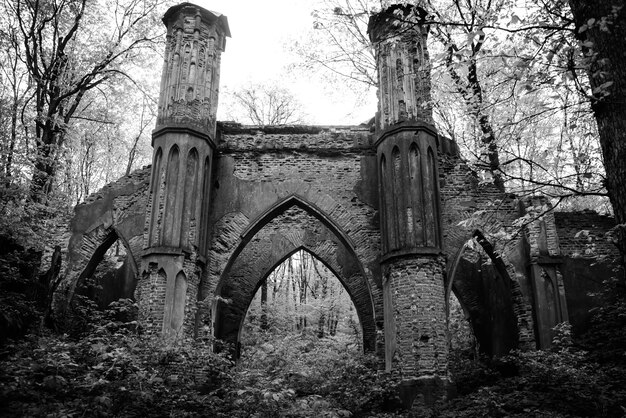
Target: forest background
[533,92]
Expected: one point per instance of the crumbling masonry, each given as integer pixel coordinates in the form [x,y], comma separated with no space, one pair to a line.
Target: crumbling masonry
[391,209]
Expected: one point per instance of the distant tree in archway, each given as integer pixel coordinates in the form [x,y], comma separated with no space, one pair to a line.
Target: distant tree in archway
[264,104]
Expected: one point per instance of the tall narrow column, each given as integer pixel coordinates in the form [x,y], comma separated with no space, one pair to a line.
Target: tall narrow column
[413,264]
[184,142]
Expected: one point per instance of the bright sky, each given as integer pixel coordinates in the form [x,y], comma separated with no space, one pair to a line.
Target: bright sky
[256,53]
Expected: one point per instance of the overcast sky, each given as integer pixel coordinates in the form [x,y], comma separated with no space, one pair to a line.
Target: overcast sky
[256,53]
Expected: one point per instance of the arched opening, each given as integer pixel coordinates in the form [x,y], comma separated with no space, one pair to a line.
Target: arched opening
[461,333]
[479,280]
[270,240]
[300,300]
[155,196]
[111,272]
[299,342]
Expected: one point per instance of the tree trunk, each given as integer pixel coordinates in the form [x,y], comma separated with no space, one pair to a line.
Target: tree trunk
[13,138]
[472,92]
[303,294]
[608,66]
[45,167]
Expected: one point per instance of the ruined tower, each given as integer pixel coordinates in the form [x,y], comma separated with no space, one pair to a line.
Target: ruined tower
[175,234]
[406,148]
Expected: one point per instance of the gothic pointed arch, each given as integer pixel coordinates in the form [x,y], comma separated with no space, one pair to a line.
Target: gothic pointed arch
[114,213]
[480,280]
[304,204]
[172,193]
[365,317]
[253,260]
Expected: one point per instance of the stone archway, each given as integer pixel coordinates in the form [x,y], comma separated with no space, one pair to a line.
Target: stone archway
[480,280]
[116,212]
[289,225]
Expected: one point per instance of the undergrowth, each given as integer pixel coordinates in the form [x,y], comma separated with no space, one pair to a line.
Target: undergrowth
[103,366]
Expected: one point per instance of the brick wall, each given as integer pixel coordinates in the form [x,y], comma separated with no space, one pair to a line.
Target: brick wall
[582,234]
[320,188]
[415,314]
[469,205]
[277,189]
[118,209]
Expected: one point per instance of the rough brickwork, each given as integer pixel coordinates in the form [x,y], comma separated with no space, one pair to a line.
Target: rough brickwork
[468,206]
[583,234]
[282,236]
[314,189]
[415,310]
[117,211]
[588,259]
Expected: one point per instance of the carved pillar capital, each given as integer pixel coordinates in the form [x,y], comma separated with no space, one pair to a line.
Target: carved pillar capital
[196,37]
[399,35]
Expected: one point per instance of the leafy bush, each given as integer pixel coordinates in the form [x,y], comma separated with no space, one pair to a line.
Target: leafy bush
[109,374]
[563,381]
[21,295]
[305,376]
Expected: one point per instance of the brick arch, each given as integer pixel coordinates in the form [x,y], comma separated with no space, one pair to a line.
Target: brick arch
[298,201]
[490,298]
[365,315]
[250,230]
[330,246]
[117,211]
[232,229]
[84,258]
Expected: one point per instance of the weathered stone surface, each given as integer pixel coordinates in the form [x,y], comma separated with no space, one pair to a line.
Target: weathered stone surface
[117,211]
[399,38]
[288,232]
[196,37]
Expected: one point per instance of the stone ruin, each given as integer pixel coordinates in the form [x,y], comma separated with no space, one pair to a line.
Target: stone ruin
[391,209]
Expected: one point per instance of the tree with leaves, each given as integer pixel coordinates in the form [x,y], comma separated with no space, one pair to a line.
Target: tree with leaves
[461,63]
[71,48]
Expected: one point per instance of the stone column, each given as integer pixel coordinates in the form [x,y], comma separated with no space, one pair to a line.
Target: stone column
[545,261]
[412,259]
[184,142]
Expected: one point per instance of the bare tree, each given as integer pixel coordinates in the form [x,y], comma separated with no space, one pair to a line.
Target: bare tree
[265,104]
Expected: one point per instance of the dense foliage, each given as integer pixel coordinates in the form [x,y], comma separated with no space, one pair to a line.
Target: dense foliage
[104,366]
[113,370]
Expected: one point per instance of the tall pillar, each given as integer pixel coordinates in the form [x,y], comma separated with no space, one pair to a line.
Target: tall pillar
[545,264]
[184,142]
[412,259]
